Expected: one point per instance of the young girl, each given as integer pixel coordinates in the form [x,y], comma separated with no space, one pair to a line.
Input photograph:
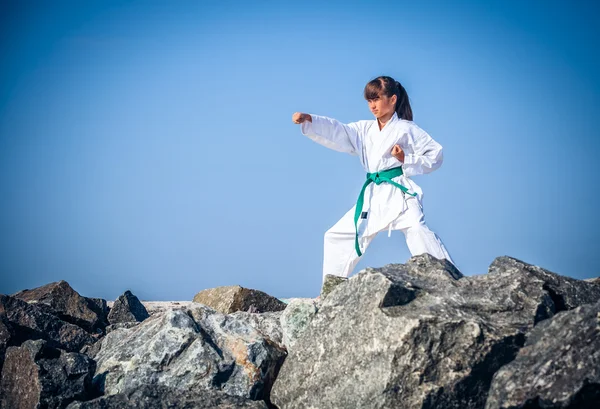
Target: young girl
[391,148]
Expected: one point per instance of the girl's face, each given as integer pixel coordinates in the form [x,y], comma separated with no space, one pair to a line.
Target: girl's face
[382,105]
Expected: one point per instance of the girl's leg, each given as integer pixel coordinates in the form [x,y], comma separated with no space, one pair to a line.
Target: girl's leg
[339,255]
[419,238]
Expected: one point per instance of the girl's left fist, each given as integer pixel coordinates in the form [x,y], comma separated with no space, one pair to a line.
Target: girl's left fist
[398,153]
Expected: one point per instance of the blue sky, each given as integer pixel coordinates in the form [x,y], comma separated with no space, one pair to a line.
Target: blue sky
[149,145]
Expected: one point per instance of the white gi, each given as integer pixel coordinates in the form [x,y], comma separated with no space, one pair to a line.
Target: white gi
[386,206]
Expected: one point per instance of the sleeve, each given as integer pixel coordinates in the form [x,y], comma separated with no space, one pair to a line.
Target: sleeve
[426,157]
[333,134]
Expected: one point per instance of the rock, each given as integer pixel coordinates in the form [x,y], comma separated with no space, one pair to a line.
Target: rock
[5,335]
[127,308]
[329,283]
[61,300]
[268,324]
[559,367]
[121,325]
[29,321]
[419,335]
[595,280]
[160,396]
[36,375]
[198,349]
[228,299]
[295,318]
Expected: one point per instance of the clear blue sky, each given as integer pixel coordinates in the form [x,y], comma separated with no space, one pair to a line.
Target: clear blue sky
[149,145]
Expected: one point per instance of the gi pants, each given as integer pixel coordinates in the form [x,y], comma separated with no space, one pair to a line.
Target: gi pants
[340,256]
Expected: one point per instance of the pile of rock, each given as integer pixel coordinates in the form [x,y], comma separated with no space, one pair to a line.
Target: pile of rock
[402,336]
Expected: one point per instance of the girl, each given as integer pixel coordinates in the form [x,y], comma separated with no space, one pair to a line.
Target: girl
[391,148]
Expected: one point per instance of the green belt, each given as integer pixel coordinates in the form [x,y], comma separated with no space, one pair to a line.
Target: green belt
[378,178]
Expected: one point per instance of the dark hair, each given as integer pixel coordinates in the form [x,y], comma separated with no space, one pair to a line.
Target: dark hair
[388,87]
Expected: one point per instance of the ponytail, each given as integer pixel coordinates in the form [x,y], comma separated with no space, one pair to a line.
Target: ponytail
[403,109]
[388,87]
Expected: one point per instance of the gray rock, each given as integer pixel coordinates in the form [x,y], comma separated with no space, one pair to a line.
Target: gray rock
[329,283]
[228,299]
[127,308]
[5,335]
[595,280]
[419,335]
[197,349]
[64,302]
[160,396]
[295,318]
[29,321]
[558,368]
[36,375]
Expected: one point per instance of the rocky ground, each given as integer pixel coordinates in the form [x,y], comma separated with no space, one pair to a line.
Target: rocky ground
[414,335]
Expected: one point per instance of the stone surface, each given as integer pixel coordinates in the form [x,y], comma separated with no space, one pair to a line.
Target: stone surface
[420,335]
[331,281]
[127,308]
[559,367]
[197,349]
[160,396]
[38,376]
[29,321]
[64,302]
[228,299]
[295,318]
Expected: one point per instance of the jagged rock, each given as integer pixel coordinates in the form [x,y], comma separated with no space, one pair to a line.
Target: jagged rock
[29,321]
[228,299]
[295,318]
[159,396]
[38,376]
[268,324]
[559,367]
[127,308]
[197,349]
[121,325]
[595,280]
[413,335]
[329,283]
[5,336]
[64,302]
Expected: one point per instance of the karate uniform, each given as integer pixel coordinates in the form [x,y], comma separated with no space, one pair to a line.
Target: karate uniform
[385,207]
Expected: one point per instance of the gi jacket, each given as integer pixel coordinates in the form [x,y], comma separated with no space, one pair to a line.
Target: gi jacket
[383,203]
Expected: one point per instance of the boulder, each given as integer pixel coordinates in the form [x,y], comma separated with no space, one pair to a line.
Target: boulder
[64,302]
[295,318]
[29,321]
[228,299]
[559,367]
[329,283]
[127,308]
[419,335]
[160,396]
[38,376]
[196,349]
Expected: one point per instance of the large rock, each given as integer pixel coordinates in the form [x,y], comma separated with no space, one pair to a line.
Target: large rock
[64,302]
[127,308]
[38,376]
[419,335]
[228,299]
[29,321]
[295,318]
[5,335]
[197,349]
[558,368]
[160,396]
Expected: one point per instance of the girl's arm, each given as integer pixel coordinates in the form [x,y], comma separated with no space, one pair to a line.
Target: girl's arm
[330,132]
[426,158]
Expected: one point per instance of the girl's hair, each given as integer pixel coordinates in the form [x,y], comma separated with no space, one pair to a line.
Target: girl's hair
[388,87]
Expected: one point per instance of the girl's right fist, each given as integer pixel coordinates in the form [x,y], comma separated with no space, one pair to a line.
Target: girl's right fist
[299,117]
